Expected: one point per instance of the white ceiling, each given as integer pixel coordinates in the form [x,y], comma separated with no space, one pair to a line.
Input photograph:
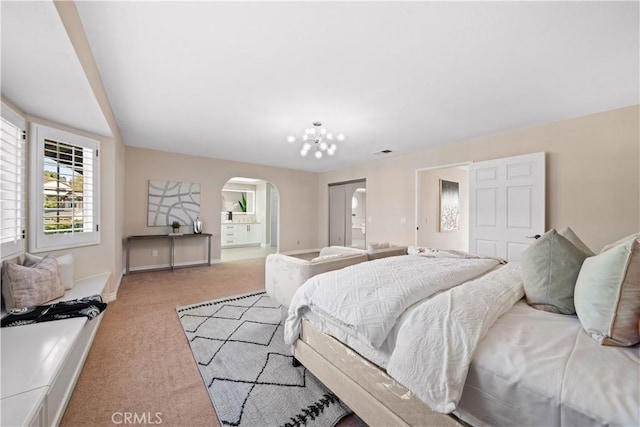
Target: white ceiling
[41,73]
[233,79]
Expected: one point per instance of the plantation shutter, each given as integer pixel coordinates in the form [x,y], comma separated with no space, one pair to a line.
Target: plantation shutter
[13,184]
[65,189]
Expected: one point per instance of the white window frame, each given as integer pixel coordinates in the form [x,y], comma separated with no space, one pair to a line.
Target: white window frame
[39,241]
[14,248]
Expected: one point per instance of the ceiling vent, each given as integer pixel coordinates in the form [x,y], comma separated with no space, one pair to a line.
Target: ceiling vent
[382,152]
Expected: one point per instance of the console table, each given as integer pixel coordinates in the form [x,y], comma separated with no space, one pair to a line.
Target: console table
[172,239]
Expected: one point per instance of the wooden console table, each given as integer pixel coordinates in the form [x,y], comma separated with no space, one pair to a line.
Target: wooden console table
[171,239]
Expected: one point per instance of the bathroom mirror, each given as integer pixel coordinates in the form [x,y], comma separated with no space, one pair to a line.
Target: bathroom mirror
[238,201]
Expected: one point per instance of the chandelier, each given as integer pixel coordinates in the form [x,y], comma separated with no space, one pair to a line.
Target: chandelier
[318,137]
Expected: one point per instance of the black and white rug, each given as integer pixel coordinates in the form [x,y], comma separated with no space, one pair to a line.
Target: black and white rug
[238,344]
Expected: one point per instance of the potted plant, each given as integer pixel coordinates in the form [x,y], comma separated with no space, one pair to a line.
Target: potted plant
[176,227]
[243,202]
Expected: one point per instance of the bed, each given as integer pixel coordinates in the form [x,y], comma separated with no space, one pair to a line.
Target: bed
[519,366]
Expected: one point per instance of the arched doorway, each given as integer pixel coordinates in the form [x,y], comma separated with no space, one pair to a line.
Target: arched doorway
[249,219]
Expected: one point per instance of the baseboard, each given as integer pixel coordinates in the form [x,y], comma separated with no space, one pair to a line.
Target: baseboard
[149,267]
[166,265]
[187,264]
[113,295]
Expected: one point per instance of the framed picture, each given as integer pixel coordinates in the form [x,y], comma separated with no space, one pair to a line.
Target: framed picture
[449,205]
[172,201]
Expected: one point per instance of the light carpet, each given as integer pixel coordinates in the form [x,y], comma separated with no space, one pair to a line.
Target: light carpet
[238,345]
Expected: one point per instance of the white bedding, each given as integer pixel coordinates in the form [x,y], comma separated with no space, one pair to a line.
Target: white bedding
[532,368]
[436,342]
[535,368]
[366,299]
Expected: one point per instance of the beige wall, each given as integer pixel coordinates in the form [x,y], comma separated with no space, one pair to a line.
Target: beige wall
[593,177]
[298,201]
[429,233]
[119,211]
[593,185]
[106,256]
[262,211]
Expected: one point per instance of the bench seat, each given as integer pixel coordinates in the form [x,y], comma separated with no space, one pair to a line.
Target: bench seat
[42,362]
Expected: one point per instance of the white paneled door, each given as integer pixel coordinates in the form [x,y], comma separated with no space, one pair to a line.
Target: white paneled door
[506,205]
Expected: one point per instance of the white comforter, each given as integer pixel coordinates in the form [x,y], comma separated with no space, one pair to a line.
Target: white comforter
[366,299]
[436,342]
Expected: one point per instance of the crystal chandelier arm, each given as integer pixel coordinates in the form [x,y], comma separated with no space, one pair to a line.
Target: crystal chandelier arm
[318,137]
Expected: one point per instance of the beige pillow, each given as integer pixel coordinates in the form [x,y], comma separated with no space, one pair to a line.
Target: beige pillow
[65,267]
[326,257]
[27,286]
[616,243]
[568,234]
[373,246]
[607,295]
[550,267]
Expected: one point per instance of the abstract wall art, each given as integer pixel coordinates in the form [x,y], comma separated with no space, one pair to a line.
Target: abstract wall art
[449,205]
[173,201]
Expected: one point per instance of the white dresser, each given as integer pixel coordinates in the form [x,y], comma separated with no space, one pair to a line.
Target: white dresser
[241,234]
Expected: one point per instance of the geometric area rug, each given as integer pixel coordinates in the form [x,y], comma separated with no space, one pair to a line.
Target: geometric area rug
[238,345]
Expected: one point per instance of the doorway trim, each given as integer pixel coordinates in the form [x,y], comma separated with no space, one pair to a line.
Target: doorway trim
[267,181]
[335,184]
[417,192]
[351,181]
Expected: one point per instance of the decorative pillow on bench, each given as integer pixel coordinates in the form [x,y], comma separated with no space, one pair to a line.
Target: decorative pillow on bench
[65,267]
[27,286]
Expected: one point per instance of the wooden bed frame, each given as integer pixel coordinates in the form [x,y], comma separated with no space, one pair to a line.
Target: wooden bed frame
[372,394]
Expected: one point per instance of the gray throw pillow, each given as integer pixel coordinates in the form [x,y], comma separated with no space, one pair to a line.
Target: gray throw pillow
[607,294]
[550,267]
[27,286]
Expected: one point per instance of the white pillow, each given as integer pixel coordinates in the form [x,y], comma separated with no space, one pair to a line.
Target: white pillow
[65,267]
[607,294]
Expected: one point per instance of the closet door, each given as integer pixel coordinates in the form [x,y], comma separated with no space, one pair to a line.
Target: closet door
[337,220]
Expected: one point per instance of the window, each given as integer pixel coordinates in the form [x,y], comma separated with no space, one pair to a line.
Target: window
[13,184]
[64,187]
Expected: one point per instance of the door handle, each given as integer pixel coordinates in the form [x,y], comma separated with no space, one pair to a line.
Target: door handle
[537,236]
